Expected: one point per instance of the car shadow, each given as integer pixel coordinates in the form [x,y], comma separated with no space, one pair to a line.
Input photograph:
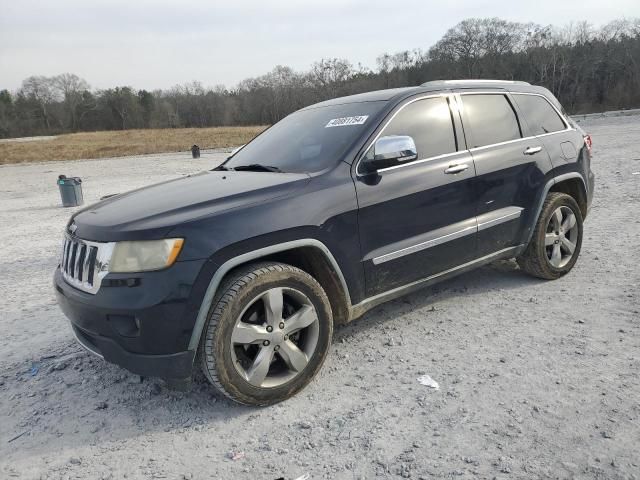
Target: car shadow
[499,275]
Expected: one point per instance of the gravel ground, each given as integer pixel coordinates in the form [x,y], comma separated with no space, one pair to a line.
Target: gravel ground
[537,379]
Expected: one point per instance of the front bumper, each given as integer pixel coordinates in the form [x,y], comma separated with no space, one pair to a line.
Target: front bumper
[173,366]
[145,328]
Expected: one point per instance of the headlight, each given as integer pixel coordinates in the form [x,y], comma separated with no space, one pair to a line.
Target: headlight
[144,255]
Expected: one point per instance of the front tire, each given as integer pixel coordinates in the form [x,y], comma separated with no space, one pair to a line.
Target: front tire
[267,335]
[557,238]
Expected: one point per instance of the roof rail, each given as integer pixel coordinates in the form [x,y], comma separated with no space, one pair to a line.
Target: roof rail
[473,82]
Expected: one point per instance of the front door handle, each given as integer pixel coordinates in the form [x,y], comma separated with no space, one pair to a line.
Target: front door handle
[457,168]
[532,150]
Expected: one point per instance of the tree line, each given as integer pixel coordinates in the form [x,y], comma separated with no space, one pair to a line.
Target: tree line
[589,69]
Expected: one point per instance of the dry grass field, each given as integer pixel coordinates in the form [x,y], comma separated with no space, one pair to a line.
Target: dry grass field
[89,145]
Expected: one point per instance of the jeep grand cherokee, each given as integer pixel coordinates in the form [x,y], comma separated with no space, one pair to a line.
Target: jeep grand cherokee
[243,271]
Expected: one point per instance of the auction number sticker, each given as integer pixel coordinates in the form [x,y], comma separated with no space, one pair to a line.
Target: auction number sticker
[345,121]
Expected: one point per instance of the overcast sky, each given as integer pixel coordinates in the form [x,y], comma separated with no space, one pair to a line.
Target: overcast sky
[157,44]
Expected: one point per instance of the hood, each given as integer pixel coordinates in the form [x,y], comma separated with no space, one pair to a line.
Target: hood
[151,212]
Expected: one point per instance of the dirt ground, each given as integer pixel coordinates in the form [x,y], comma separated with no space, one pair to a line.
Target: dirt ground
[537,379]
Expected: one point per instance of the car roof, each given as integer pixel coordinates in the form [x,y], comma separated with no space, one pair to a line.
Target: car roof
[374,96]
[397,94]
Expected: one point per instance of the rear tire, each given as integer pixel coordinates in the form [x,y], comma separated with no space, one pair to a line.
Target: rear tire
[267,335]
[557,238]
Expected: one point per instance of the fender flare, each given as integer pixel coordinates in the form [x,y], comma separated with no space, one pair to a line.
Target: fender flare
[545,191]
[230,264]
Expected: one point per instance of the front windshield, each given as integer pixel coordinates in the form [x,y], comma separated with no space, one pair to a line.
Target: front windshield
[308,140]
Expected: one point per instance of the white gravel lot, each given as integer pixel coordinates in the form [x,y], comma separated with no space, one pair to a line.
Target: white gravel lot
[537,379]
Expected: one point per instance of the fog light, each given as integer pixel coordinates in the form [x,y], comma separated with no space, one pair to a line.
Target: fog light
[125,325]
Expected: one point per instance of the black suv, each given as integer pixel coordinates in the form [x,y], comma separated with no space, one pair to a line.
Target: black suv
[244,270]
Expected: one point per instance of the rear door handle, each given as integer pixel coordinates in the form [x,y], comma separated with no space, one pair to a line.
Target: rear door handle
[457,168]
[532,150]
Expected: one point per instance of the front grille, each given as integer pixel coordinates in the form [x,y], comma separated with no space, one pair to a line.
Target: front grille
[84,263]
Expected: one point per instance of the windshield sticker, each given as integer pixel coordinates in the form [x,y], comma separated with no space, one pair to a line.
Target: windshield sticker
[345,121]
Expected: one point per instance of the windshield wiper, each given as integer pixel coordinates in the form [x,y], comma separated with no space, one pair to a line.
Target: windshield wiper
[256,167]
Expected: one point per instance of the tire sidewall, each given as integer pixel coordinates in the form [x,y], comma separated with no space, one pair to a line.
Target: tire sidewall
[235,384]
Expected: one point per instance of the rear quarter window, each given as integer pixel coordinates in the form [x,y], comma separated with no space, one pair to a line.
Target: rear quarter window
[539,114]
[489,119]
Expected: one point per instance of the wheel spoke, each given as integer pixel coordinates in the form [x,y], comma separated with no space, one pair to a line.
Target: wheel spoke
[295,358]
[569,222]
[550,239]
[557,219]
[301,319]
[273,300]
[568,245]
[246,333]
[556,255]
[260,368]
[267,350]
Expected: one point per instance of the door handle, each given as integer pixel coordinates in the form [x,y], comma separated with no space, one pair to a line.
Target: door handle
[532,150]
[457,168]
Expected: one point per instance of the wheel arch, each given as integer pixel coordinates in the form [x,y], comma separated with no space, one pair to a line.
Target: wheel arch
[310,255]
[574,187]
[565,183]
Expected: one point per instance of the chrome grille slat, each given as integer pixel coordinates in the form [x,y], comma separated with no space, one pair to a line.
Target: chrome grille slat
[91,268]
[68,252]
[80,261]
[63,257]
[84,263]
[72,261]
[67,256]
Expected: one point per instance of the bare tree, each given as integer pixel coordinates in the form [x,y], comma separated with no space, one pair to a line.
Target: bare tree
[471,40]
[395,68]
[121,101]
[71,88]
[42,91]
[464,44]
[330,71]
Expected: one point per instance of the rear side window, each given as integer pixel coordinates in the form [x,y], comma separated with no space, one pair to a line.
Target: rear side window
[540,115]
[430,124]
[489,119]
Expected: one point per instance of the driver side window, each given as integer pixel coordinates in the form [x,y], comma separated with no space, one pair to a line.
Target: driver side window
[429,123]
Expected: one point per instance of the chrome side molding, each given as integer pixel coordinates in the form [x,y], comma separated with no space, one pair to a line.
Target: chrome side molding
[435,237]
[496,217]
[367,304]
[445,234]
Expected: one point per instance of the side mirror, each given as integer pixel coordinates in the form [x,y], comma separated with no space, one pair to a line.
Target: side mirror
[390,151]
